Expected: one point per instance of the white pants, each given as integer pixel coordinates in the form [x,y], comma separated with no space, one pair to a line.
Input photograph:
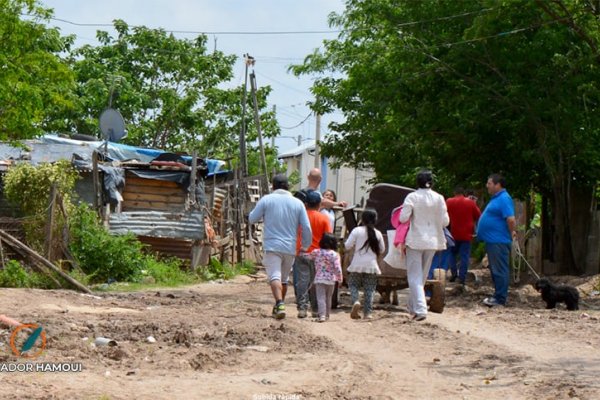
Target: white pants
[418,263]
[278,266]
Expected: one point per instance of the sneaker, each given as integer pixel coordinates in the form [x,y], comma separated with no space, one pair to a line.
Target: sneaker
[369,316]
[322,319]
[302,314]
[279,311]
[354,314]
[314,314]
[491,302]
[419,317]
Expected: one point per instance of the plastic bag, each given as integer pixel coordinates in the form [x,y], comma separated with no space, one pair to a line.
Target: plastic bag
[394,257]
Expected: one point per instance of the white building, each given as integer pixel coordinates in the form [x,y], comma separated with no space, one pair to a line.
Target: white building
[350,184]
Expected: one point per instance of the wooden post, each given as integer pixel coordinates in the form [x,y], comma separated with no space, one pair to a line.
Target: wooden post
[273,171]
[257,123]
[249,60]
[50,223]
[192,201]
[318,142]
[212,197]
[2,254]
[238,216]
[96,180]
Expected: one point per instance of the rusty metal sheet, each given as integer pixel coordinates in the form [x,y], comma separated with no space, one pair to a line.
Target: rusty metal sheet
[181,248]
[186,225]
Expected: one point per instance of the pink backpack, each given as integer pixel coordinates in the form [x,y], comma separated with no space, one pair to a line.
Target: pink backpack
[401,229]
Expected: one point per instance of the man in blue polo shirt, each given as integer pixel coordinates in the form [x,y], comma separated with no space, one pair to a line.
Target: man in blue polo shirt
[283,215]
[497,228]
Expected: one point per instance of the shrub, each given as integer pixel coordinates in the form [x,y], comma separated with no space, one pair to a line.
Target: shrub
[105,257]
[14,275]
[166,272]
[29,188]
[101,255]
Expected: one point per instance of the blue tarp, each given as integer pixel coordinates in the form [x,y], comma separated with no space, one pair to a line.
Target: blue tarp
[50,148]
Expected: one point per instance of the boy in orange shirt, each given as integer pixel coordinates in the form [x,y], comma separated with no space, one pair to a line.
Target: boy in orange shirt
[304,269]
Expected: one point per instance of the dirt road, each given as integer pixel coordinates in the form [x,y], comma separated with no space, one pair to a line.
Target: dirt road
[217,341]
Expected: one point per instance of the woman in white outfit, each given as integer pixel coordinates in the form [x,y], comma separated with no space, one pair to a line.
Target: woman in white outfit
[428,216]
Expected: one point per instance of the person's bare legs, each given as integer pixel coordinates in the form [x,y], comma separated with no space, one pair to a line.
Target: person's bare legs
[278,290]
[283,291]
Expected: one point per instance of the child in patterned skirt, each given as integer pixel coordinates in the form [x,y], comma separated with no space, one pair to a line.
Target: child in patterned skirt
[368,245]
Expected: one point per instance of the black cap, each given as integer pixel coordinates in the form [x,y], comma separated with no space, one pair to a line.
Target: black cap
[280,181]
[313,198]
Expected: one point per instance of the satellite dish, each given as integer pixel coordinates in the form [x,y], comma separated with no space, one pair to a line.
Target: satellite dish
[112,125]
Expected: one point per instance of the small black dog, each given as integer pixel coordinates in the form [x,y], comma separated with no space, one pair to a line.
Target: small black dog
[553,294]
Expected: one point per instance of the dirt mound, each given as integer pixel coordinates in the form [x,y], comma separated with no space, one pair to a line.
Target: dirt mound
[218,341]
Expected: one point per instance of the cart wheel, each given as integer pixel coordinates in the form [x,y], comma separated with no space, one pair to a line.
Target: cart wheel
[436,303]
[440,276]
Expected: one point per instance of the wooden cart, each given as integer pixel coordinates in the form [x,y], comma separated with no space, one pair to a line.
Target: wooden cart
[384,198]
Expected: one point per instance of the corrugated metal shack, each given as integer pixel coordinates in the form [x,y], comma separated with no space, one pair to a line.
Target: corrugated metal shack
[162,206]
[144,191]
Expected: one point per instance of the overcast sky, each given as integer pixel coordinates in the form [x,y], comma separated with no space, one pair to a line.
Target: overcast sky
[273,52]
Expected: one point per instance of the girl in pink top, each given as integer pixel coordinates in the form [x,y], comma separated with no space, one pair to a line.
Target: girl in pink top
[328,271]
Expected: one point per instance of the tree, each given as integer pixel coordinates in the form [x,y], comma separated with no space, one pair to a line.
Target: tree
[168,90]
[34,81]
[469,88]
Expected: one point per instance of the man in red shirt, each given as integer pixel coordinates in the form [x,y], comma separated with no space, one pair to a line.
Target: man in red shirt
[464,215]
[303,269]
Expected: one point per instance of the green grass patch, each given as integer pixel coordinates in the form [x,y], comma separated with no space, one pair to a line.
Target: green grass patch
[218,270]
[14,275]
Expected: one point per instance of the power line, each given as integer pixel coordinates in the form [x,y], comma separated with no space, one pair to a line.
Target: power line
[297,125]
[511,32]
[290,105]
[280,58]
[445,18]
[289,114]
[298,32]
[293,116]
[283,84]
[307,32]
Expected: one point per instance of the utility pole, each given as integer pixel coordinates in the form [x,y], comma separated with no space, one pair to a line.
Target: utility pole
[317,142]
[257,123]
[248,60]
[274,117]
[274,170]
[242,171]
